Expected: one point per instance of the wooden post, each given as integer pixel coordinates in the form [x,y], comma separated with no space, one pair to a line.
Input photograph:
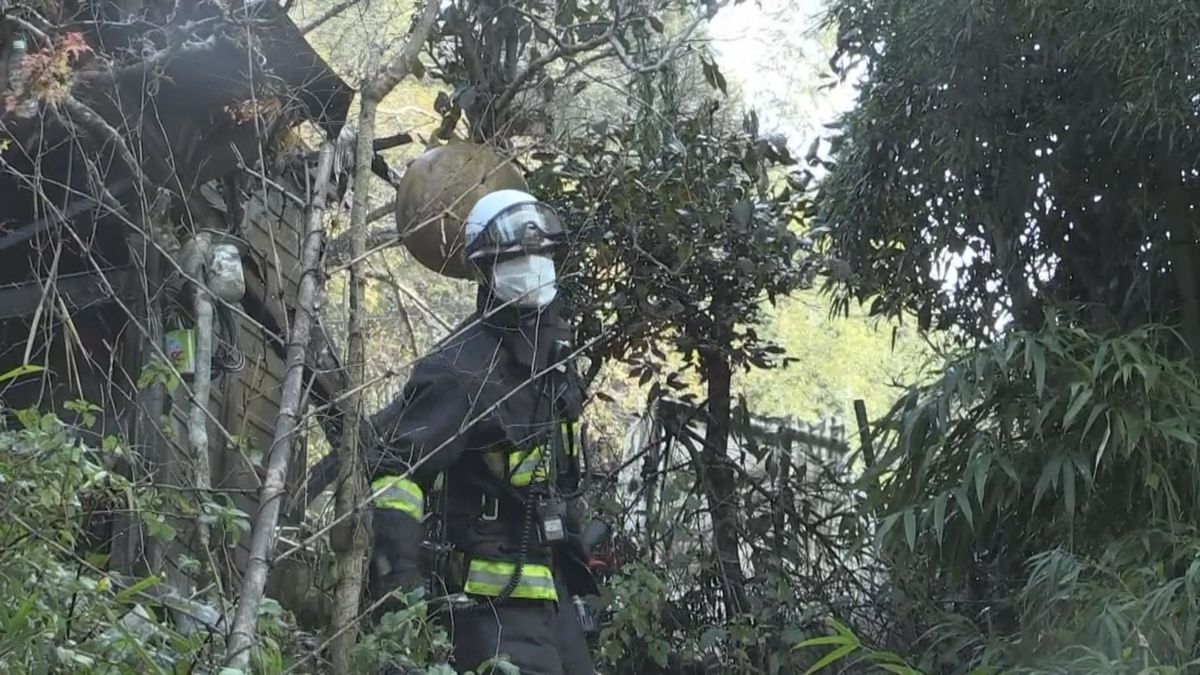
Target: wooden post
[864,432]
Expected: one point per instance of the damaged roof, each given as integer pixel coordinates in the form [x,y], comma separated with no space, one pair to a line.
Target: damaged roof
[194,100]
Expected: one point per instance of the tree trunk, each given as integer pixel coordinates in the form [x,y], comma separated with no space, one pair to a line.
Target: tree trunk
[349,537]
[717,477]
[241,637]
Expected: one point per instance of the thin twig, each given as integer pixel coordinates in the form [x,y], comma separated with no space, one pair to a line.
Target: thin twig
[327,15]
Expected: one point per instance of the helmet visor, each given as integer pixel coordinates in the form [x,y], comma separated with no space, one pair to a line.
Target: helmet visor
[527,227]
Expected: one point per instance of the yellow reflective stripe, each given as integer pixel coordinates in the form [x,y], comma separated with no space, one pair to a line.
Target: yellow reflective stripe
[521,466]
[570,433]
[490,577]
[400,494]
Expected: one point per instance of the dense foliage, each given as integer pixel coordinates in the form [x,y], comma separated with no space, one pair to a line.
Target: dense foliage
[1007,155]
[1043,494]
[1023,176]
[1020,176]
[62,612]
[682,236]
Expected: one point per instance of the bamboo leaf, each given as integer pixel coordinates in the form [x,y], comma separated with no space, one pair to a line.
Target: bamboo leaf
[822,641]
[1077,403]
[910,528]
[1174,428]
[964,504]
[1048,479]
[1035,356]
[886,526]
[939,515]
[982,467]
[1103,442]
[897,669]
[841,629]
[1068,476]
[1093,416]
[831,658]
[1007,466]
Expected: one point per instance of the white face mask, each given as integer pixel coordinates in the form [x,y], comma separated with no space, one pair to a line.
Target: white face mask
[527,281]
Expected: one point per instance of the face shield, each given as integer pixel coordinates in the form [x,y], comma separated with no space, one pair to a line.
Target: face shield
[521,229]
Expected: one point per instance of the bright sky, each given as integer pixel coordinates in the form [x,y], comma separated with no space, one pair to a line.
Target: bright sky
[775,51]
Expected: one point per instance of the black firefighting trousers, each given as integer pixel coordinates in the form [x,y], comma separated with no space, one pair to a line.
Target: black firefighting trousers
[537,636]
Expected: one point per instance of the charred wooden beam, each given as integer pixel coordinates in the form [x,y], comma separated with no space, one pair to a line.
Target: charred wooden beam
[77,291]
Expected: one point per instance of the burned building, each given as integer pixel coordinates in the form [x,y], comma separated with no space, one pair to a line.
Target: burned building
[145,153]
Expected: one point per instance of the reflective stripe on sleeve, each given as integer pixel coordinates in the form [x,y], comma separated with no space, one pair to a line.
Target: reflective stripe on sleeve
[570,434]
[400,494]
[522,465]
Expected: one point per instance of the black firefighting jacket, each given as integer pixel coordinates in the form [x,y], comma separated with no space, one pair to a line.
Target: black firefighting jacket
[485,424]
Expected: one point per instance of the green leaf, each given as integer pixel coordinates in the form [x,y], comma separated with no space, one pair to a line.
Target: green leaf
[982,467]
[964,505]
[128,593]
[20,371]
[1093,416]
[822,641]
[1068,476]
[711,637]
[939,515]
[1035,357]
[1081,395]
[897,669]
[910,528]
[1009,470]
[1049,478]
[721,83]
[1175,428]
[1103,442]
[832,658]
[886,526]
[707,70]
[506,667]
[17,622]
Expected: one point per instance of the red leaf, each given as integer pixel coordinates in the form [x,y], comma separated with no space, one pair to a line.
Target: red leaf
[74,46]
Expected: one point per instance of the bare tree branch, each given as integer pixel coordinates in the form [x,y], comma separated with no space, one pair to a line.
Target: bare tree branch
[338,253]
[349,541]
[539,64]
[99,128]
[328,14]
[671,52]
[401,64]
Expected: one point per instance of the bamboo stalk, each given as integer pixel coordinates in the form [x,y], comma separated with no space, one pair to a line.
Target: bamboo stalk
[241,636]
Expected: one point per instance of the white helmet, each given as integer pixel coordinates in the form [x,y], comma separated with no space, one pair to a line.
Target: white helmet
[511,221]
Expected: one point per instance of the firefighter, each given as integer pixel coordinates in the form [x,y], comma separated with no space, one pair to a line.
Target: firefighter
[478,478]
